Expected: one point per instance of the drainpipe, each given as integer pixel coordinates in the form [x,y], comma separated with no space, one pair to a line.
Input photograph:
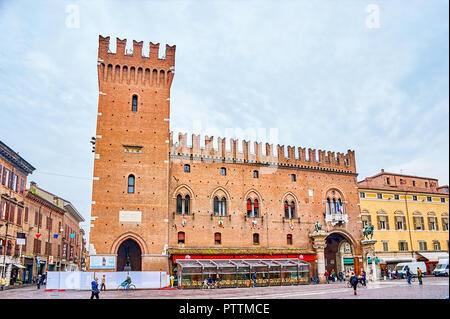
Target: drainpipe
[409,225]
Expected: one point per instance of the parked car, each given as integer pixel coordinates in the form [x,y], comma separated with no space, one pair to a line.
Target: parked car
[401,268]
[441,268]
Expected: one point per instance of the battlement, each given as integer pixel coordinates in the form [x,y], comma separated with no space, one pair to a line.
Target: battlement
[133,67]
[296,156]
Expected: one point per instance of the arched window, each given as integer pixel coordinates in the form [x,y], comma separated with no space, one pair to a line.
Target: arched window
[183,204]
[187,168]
[216,206]
[286,209]
[256,239]
[252,208]
[179,204]
[223,206]
[187,204]
[220,206]
[181,237]
[289,210]
[223,171]
[134,104]
[130,184]
[255,174]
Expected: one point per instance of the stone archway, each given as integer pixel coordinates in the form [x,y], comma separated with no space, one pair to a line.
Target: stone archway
[333,251]
[129,256]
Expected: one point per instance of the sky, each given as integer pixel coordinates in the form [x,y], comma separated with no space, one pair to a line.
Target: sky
[369,76]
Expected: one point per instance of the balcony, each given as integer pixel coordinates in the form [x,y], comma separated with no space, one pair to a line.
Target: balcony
[336,219]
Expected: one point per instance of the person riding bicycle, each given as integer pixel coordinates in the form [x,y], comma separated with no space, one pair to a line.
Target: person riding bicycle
[363,277]
[127,282]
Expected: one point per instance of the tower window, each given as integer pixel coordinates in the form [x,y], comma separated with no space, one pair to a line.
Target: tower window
[289,239]
[181,237]
[131,184]
[252,208]
[183,204]
[255,174]
[134,103]
[217,238]
[256,239]
[223,171]
[293,177]
[220,206]
[187,168]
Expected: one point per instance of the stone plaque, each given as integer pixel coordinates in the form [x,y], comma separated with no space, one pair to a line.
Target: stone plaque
[129,216]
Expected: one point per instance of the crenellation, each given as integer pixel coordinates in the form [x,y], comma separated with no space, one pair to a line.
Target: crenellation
[137,48]
[320,159]
[154,51]
[120,47]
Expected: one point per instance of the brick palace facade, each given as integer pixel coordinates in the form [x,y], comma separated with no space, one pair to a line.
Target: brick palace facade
[156,199]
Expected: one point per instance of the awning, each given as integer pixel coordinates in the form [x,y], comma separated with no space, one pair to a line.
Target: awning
[18,266]
[196,266]
[394,260]
[433,256]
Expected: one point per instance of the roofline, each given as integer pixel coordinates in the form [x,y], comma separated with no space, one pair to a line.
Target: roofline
[73,211]
[396,174]
[401,191]
[28,168]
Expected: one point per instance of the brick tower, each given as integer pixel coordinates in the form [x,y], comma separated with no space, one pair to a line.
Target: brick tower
[131,169]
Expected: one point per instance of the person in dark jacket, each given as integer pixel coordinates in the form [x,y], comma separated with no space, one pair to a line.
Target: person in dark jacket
[254,279]
[408,275]
[354,282]
[94,289]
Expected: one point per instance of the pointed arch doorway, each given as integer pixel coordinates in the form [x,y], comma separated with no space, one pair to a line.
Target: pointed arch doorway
[129,256]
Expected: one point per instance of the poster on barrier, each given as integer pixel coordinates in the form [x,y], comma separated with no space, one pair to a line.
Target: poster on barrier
[82,280]
[52,280]
[102,262]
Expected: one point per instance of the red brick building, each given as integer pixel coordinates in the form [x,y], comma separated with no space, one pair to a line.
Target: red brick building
[13,180]
[156,201]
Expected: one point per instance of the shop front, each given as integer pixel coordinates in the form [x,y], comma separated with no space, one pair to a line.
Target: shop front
[431,259]
[28,270]
[227,273]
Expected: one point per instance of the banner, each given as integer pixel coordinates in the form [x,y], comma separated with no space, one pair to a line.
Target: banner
[102,262]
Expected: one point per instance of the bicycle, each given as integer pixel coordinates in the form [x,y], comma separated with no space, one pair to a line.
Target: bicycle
[359,285]
[124,288]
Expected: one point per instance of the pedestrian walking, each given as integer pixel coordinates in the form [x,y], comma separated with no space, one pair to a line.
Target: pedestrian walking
[363,277]
[254,279]
[419,275]
[327,276]
[94,288]
[39,281]
[103,285]
[3,282]
[390,274]
[341,276]
[354,282]
[333,275]
[408,276]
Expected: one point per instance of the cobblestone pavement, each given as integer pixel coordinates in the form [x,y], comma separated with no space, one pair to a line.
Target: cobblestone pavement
[433,288]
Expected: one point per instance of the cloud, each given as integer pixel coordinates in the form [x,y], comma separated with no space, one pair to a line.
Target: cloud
[311,70]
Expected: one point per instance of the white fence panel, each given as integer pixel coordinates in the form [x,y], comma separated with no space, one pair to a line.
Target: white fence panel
[82,280]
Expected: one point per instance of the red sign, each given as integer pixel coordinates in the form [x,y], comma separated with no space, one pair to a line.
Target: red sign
[304,257]
[38,235]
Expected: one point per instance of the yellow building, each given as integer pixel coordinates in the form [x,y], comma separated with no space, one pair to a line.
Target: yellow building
[409,215]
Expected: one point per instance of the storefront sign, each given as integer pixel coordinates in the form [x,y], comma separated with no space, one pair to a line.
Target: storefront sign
[102,262]
[20,241]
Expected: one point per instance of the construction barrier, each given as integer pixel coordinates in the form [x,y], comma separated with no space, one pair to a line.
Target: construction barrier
[80,280]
